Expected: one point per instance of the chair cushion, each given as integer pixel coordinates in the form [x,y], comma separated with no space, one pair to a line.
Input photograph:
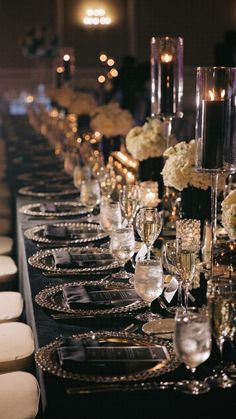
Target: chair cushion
[17,346]
[8,269]
[5,191]
[19,395]
[5,209]
[11,306]
[5,225]
[6,245]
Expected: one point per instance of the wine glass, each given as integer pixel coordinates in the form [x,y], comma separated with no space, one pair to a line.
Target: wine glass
[182,264]
[110,215]
[90,195]
[149,225]
[129,202]
[192,345]
[107,181]
[220,309]
[149,284]
[122,245]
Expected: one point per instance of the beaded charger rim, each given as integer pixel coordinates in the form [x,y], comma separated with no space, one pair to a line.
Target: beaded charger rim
[46,358]
[36,233]
[38,261]
[51,298]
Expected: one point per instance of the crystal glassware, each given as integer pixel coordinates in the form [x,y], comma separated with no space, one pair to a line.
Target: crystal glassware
[220,304]
[149,225]
[122,245]
[148,283]
[192,345]
[110,215]
[129,201]
[189,232]
[107,181]
[90,195]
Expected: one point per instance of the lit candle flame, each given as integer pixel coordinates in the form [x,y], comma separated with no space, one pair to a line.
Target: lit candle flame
[166,58]
[213,95]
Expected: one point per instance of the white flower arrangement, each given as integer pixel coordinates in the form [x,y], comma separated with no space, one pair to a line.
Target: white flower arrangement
[82,103]
[178,171]
[146,141]
[228,217]
[62,95]
[110,120]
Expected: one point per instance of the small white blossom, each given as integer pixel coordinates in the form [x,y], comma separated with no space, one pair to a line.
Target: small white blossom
[229,213]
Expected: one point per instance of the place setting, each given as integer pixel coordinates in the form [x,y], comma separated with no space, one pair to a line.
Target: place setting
[65,234]
[59,209]
[48,190]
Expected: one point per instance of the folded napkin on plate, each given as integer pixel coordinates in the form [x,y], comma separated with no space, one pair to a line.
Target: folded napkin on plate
[74,258]
[48,207]
[63,232]
[72,353]
[78,296]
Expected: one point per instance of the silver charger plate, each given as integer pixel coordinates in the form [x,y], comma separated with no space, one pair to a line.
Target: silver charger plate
[76,208]
[43,259]
[52,298]
[37,234]
[43,176]
[46,358]
[29,191]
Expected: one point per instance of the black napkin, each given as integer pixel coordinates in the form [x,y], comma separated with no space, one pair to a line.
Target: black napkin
[78,296]
[75,354]
[74,258]
[63,232]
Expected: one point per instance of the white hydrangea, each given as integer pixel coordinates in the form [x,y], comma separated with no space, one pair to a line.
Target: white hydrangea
[82,103]
[110,120]
[179,169]
[229,213]
[146,141]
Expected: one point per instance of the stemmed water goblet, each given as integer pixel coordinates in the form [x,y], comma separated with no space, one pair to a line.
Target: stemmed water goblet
[192,345]
[148,283]
[220,307]
[129,201]
[122,245]
[149,225]
[90,195]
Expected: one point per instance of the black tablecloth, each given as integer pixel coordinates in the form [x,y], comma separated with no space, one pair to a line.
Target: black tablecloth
[56,404]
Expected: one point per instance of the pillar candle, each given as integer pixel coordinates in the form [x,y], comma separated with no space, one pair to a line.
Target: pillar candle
[66,63]
[214,132]
[167,84]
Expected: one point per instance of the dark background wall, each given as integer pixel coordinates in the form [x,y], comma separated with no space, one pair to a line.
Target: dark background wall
[200,22]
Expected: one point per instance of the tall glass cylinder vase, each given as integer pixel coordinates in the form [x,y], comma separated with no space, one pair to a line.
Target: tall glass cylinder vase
[216,129]
[166,90]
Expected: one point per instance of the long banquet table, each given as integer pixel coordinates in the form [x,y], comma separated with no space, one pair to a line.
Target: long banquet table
[56,403]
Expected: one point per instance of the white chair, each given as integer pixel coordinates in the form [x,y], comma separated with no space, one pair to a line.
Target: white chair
[11,306]
[17,347]
[6,245]
[8,269]
[19,395]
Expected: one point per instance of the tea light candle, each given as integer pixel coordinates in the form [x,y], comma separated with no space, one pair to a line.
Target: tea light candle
[188,231]
[149,194]
[66,62]
[167,84]
[214,112]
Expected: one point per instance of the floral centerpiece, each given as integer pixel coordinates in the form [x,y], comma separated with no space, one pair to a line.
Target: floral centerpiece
[112,122]
[229,214]
[146,141]
[179,173]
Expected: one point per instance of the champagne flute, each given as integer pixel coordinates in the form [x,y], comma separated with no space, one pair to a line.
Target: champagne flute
[122,245]
[110,215]
[149,284]
[149,225]
[107,181]
[192,345]
[186,261]
[129,202]
[90,195]
[169,260]
[220,311]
